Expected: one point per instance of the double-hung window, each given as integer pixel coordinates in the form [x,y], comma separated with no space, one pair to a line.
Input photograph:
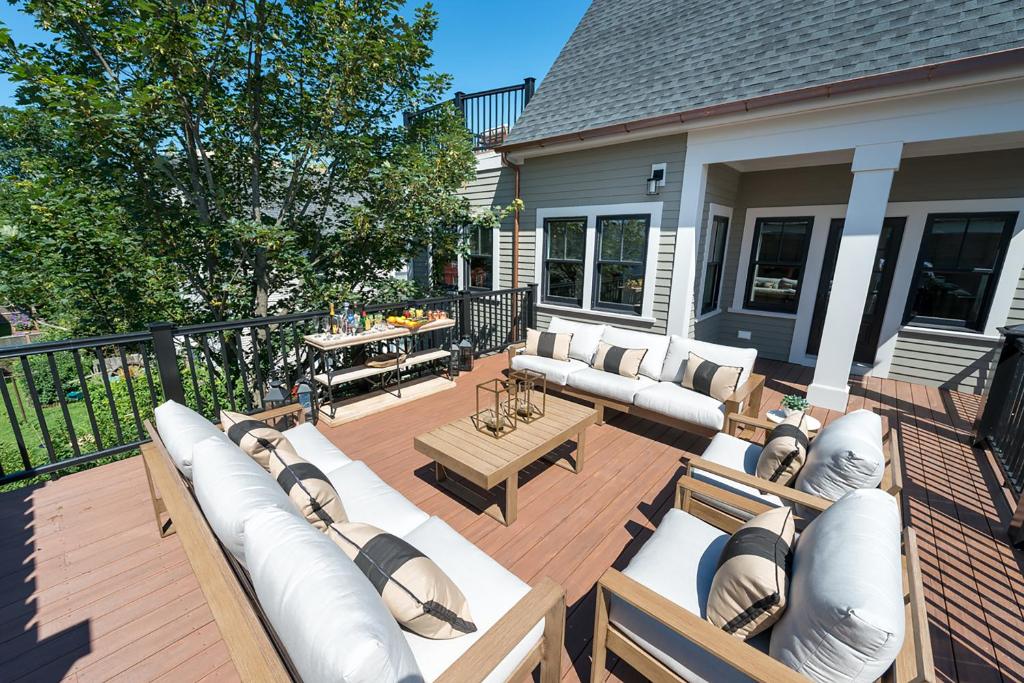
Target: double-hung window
[621,263]
[479,261]
[777,259]
[565,245]
[958,269]
[715,262]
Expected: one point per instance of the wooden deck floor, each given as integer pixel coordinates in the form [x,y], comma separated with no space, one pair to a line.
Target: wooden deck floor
[89,592]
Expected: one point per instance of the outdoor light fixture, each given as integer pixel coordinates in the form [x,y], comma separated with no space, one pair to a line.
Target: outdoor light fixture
[275,396]
[655,181]
[304,392]
[454,361]
[466,353]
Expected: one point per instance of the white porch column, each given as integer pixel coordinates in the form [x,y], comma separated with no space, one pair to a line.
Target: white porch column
[684,262]
[873,169]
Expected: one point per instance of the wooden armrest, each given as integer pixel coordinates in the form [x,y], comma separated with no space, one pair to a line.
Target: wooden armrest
[892,478]
[734,419]
[730,649]
[744,391]
[545,601]
[784,492]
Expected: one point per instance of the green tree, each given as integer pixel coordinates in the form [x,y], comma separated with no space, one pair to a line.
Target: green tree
[193,159]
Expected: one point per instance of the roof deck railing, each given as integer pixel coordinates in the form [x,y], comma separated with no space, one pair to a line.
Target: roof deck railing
[489,114]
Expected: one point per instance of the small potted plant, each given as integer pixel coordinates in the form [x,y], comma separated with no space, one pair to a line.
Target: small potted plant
[794,403]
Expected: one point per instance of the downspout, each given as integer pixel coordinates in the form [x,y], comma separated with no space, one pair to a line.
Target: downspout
[515,219]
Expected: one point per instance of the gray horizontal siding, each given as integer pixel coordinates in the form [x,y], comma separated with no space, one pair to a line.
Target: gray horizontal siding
[1016,315]
[722,188]
[951,363]
[494,188]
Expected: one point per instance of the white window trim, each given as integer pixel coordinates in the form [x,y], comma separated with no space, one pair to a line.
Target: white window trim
[495,263]
[713,210]
[591,212]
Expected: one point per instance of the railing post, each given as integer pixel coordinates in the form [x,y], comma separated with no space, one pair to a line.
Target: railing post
[167,361]
[532,318]
[997,395]
[460,102]
[465,316]
[528,86]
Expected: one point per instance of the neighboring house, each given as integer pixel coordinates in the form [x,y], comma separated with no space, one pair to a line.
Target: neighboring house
[688,167]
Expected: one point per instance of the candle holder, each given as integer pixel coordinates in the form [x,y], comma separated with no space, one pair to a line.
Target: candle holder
[495,408]
[531,394]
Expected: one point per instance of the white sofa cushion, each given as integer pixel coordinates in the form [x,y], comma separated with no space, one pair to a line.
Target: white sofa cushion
[315,448]
[678,562]
[584,337]
[607,385]
[845,620]
[683,404]
[720,354]
[739,455]
[846,454]
[328,616]
[490,590]
[656,345]
[369,500]
[556,371]
[231,487]
[181,428]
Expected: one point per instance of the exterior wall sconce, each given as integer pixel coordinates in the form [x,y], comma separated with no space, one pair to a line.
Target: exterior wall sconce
[656,180]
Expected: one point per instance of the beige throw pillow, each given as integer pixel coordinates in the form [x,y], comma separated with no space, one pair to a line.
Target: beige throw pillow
[418,594]
[748,593]
[785,450]
[620,361]
[548,344]
[711,379]
[252,436]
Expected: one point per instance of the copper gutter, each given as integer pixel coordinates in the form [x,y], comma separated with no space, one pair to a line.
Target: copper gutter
[929,72]
[515,219]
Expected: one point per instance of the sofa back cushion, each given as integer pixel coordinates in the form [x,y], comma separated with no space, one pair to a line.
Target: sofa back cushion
[845,619]
[329,618]
[619,361]
[181,428]
[584,337]
[231,487]
[720,354]
[554,345]
[656,345]
[846,454]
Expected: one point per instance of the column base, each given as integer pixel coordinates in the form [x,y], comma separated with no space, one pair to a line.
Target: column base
[824,396]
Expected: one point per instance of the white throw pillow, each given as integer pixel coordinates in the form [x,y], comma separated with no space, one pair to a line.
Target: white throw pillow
[328,616]
[231,487]
[181,428]
[845,619]
[846,454]
[585,337]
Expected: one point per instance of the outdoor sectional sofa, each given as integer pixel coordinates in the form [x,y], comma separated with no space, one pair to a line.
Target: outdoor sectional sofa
[657,393]
[292,606]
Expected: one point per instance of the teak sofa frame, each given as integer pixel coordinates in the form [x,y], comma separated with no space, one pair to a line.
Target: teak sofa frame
[254,647]
[746,400]
[913,664]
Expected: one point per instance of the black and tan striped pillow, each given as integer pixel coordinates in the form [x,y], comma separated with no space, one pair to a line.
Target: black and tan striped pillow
[254,437]
[418,594]
[785,450]
[748,593]
[620,361]
[548,344]
[711,379]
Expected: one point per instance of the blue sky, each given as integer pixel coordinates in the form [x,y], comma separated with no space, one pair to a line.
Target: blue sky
[482,43]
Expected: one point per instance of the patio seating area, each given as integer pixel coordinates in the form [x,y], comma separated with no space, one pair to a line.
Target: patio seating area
[91,592]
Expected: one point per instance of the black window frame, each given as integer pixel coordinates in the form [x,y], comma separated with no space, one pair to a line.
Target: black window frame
[467,260]
[546,259]
[1009,219]
[595,299]
[755,261]
[716,260]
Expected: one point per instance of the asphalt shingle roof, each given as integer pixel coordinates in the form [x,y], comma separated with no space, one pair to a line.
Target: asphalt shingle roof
[634,59]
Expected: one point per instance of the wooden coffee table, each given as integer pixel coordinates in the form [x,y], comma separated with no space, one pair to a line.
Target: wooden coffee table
[486,462]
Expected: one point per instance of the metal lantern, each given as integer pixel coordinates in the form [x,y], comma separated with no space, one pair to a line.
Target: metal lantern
[466,352]
[275,396]
[495,408]
[305,394]
[454,361]
[531,394]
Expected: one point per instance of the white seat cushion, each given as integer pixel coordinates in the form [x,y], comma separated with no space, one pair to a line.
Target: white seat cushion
[328,616]
[490,590]
[846,454]
[739,455]
[584,337]
[845,620]
[608,385]
[678,563]
[719,354]
[315,448]
[369,500]
[683,404]
[556,371]
[181,428]
[656,345]
[231,487]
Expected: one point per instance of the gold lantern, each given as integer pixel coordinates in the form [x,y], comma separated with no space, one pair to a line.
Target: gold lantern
[495,407]
[531,394]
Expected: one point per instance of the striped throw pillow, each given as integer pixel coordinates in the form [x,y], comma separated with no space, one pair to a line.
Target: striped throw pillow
[418,594]
[252,436]
[548,344]
[711,379]
[748,593]
[785,450]
[620,361]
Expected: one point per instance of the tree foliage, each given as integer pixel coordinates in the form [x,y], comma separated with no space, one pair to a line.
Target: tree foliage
[215,159]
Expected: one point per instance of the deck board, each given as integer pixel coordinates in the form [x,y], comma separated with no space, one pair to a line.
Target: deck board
[91,593]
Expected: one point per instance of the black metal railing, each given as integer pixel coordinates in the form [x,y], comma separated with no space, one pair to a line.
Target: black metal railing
[73,403]
[489,114]
[1001,423]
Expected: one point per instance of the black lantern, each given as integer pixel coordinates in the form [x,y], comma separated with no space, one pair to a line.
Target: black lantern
[454,361]
[275,396]
[466,355]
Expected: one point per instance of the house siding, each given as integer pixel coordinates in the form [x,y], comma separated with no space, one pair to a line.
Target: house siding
[495,187]
[723,184]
